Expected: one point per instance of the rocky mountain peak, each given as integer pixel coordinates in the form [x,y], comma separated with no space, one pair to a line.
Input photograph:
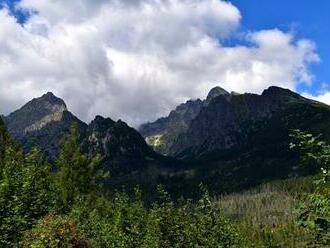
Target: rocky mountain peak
[50,100]
[36,114]
[215,92]
[278,91]
[162,133]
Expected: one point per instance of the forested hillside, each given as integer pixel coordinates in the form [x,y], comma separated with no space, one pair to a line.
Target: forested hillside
[70,207]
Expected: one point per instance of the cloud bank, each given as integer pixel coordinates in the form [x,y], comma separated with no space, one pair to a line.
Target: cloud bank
[137,59]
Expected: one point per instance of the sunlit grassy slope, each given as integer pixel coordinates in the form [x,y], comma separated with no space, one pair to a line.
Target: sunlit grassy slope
[267,215]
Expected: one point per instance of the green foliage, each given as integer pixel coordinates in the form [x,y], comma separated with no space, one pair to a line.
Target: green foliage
[25,193]
[315,212]
[266,215]
[54,232]
[78,174]
[127,222]
[3,135]
[68,208]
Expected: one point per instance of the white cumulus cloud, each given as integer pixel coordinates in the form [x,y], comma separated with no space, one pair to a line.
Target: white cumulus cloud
[136,60]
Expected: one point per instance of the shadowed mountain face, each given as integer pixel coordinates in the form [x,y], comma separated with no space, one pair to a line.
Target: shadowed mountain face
[228,141]
[123,149]
[162,134]
[229,122]
[240,140]
[221,122]
[43,121]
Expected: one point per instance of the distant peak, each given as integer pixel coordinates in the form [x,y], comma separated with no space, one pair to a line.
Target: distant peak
[51,99]
[274,90]
[215,92]
[280,93]
[100,120]
[50,94]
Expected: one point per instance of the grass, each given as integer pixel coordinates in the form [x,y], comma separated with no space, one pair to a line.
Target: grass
[267,215]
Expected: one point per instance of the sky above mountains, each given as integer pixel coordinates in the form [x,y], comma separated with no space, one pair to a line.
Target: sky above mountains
[137,59]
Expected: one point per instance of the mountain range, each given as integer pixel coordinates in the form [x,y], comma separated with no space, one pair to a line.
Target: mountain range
[228,141]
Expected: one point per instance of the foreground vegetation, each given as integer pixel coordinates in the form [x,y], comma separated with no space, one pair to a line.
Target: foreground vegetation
[67,206]
[267,215]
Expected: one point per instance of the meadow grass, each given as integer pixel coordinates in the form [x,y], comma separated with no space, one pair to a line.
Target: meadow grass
[267,215]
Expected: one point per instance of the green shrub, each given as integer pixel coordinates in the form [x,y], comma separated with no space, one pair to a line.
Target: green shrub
[128,222]
[54,232]
[25,193]
[315,211]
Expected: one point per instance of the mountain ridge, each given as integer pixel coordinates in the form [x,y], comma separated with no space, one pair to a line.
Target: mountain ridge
[162,133]
[231,142]
[43,122]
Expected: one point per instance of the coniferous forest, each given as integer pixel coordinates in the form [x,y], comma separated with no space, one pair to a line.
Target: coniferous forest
[66,204]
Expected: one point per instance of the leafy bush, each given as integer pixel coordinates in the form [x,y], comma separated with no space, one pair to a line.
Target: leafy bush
[55,231]
[78,174]
[128,222]
[25,194]
[68,208]
[315,212]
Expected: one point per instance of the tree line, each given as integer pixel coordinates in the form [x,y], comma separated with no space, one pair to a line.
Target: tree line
[65,204]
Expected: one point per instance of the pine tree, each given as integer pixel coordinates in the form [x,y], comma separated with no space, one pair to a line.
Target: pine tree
[25,193]
[3,140]
[78,175]
[315,215]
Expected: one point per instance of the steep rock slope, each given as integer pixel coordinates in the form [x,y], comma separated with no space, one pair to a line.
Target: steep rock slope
[229,123]
[241,140]
[162,133]
[236,144]
[122,148]
[41,122]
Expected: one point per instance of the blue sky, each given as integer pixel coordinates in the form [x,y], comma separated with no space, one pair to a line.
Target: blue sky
[139,59]
[306,18]
[21,16]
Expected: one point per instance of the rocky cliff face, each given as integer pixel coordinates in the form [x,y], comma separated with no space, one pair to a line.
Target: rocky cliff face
[122,148]
[35,115]
[222,121]
[41,123]
[162,133]
[229,141]
[240,140]
[228,122]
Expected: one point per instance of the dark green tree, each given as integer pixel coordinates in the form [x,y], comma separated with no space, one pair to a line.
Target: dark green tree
[315,212]
[3,140]
[25,193]
[78,175]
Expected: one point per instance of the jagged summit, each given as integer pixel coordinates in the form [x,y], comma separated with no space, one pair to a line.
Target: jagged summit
[49,94]
[163,132]
[227,111]
[50,99]
[43,119]
[215,92]
[275,90]
[227,140]
[281,94]
[36,114]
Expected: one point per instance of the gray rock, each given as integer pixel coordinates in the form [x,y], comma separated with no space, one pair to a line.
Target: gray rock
[162,133]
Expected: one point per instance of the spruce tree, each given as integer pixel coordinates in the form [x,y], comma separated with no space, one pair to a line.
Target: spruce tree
[78,174]
[3,140]
[25,193]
